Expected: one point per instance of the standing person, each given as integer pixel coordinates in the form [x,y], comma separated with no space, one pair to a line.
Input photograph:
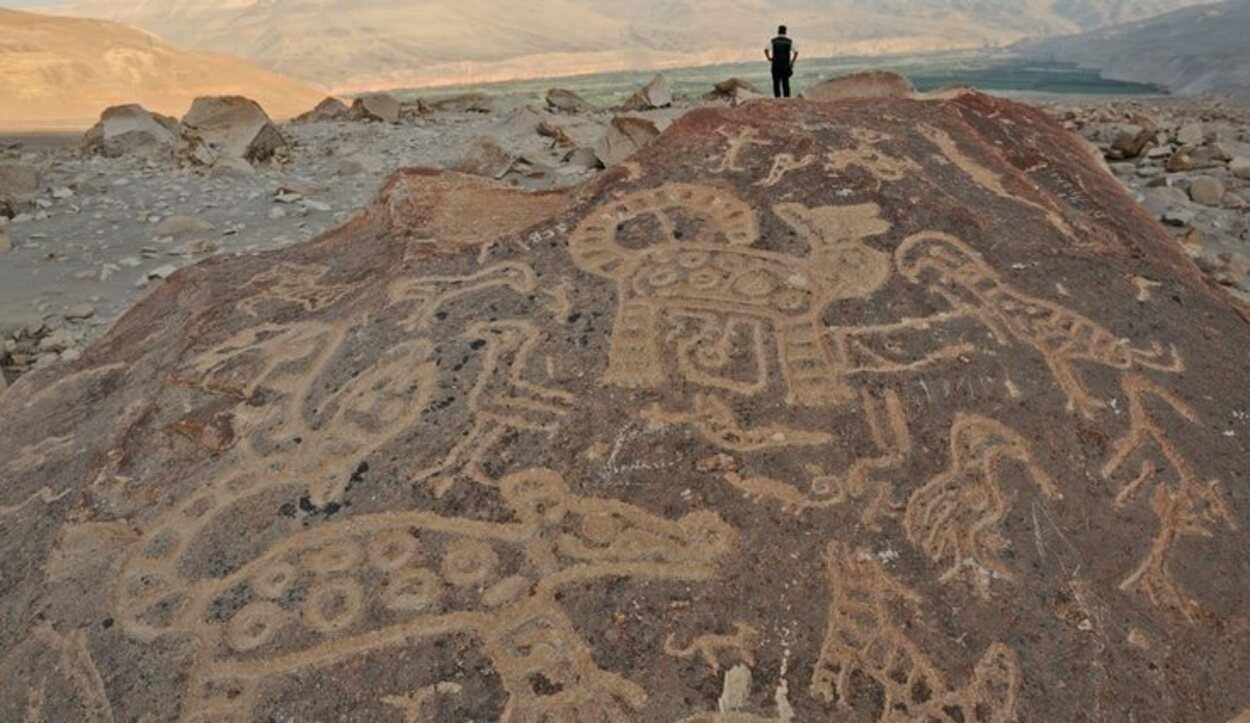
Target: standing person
[783,55]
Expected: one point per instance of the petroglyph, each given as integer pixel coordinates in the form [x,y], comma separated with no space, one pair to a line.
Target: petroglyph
[372,582]
[715,423]
[784,164]
[1063,337]
[413,704]
[740,644]
[500,403]
[863,637]
[33,455]
[886,422]
[891,348]
[374,407]
[739,140]
[422,297]
[44,495]
[77,665]
[1184,504]
[735,699]
[988,178]
[708,271]
[294,284]
[865,154]
[955,516]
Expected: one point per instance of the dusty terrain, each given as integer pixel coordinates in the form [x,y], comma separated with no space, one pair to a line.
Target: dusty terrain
[879,410]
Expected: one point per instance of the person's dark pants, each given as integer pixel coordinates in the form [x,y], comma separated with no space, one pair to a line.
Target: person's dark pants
[781,83]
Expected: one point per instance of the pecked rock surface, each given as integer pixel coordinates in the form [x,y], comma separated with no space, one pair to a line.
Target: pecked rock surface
[877,411]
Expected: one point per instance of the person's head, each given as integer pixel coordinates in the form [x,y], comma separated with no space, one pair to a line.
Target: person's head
[781,30]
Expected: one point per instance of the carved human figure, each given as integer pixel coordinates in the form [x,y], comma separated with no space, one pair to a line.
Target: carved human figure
[703,263]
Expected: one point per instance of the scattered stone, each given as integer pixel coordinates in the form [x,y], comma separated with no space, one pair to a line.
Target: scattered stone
[79,311]
[6,244]
[1132,140]
[57,341]
[196,247]
[19,185]
[1240,167]
[1190,134]
[486,158]
[874,84]
[566,101]
[1207,191]
[132,130]
[381,107]
[320,206]
[219,127]
[654,95]
[328,110]
[179,225]
[624,137]
[162,272]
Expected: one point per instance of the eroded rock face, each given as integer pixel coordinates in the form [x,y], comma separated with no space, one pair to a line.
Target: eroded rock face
[891,410]
[223,128]
[872,84]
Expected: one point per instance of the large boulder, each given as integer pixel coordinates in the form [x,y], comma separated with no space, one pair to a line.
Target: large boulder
[381,107]
[566,101]
[656,94]
[624,137]
[19,186]
[328,110]
[221,128]
[131,130]
[895,410]
[872,84]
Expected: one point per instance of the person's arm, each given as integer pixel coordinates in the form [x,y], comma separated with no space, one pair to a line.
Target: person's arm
[794,58]
[768,53]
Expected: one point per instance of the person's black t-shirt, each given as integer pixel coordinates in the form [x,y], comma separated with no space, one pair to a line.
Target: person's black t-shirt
[782,47]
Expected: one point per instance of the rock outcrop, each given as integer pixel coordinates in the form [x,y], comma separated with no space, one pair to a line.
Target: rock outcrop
[223,128]
[872,84]
[658,93]
[130,130]
[892,410]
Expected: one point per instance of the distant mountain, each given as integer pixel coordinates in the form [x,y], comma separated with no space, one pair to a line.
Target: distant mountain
[1195,50]
[60,72]
[359,44]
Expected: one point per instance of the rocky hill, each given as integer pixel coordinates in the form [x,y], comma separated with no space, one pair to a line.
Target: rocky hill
[58,72]
[883,410]
[392,43]
[1196,50]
